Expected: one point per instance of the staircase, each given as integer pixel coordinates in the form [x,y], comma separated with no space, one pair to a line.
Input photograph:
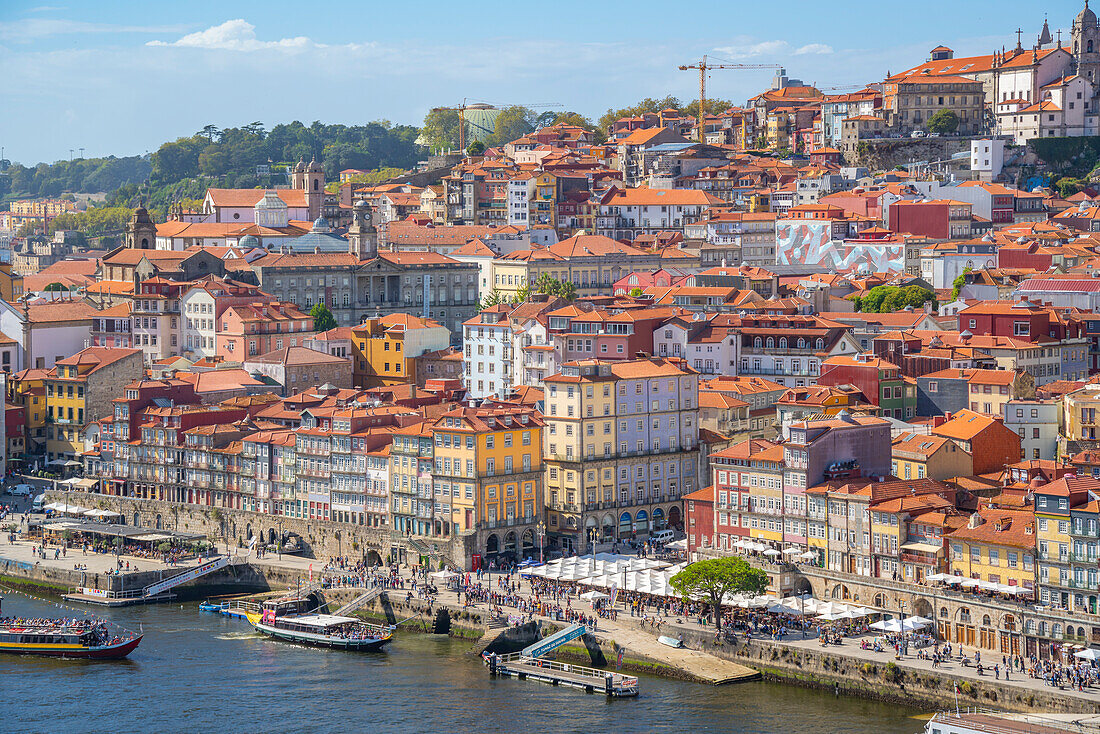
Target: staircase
[359,602]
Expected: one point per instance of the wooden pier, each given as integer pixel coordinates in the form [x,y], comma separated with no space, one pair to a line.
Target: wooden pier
[589,680]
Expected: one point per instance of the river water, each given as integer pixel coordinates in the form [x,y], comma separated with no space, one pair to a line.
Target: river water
[200,672]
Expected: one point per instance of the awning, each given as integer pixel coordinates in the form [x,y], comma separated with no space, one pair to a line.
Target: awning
[922,547]
[86,482]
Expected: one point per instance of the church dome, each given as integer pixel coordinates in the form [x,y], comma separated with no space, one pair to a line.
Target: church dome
[321,226]
[301,165]
[315,167]
[249,240]
[271,200]
[141,216]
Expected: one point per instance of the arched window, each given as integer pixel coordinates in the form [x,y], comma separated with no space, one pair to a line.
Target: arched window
[943,612]
[1056,630]
[820,343]
[1088,49]
[758,342]
[1029,626]
[771,343]
[801,343]
[782,342]
[986,621]
[316,184]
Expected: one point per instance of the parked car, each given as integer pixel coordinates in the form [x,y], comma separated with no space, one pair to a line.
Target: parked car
[21,490]
[917,134]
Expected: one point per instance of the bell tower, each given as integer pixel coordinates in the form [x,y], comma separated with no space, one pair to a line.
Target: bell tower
[1086,45]
[362,235]
[141,233]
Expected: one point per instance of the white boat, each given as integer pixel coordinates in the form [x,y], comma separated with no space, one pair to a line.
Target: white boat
[670,641]
[982,721]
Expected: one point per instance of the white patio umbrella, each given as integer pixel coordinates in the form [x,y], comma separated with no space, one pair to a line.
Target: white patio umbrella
[858,612]
[740,544]
[938,576]
[1088,654]
[784,609]
[594,595]
[792,551]
[680,544]
[807,556]
[918,620]
[771,552]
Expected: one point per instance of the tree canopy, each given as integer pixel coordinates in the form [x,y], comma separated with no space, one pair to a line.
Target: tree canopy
[649,104]
[959,282]
[943,122]
[889,298]
[554,287]
[512,123]
[323,320]
[715,578]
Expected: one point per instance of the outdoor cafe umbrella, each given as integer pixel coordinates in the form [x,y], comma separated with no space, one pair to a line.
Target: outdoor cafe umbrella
[594,595]
[807,556]
[771,552]
[792,551]
[1088,654]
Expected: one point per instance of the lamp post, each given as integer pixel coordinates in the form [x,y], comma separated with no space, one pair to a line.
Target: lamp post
[542,539]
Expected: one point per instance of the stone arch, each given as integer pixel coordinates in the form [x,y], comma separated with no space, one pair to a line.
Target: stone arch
[271,538]
[137,520]
[510,543]
[625,524]
[674,517]
[492,544]
[1081,632]
[962,614]
[986,621]
[641,522]
[802,586]
[159,521]
[374,558]
[527,543]
[923,608]
[943,613]
[659,522]
[879,600]
[1056,630]
[248,531]
[840,591]
[1029,627]
[607,526]
[1008,622]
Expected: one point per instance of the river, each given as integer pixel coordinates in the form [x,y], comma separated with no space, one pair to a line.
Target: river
[200,672]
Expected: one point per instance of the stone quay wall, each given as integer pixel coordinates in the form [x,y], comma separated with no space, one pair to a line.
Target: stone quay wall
[323,539]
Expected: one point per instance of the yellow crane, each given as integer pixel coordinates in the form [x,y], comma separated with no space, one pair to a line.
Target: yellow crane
[703,67]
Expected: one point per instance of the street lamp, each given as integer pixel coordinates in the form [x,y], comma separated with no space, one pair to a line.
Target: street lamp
[541,527]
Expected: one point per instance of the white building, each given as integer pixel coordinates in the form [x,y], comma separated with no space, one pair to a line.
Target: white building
[1037,423]
[520,190]
[708,348]
[487,353]
[987,157]
[1060,110]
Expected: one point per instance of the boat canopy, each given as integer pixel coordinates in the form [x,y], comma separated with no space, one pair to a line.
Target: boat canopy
[321,620]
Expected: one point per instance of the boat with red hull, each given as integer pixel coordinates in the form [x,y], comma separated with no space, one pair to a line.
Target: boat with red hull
[64,638]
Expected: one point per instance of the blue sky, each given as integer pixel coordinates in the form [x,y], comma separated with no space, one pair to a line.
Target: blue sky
[118,77]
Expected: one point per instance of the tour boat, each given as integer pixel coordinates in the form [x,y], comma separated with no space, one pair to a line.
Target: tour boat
[64,639]
[209,606]
[320,630]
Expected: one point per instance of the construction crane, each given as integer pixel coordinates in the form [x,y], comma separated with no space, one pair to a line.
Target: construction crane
[703,68]
[463,122]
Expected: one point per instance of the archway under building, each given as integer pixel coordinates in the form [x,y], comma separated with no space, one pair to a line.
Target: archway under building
[674,518]
[492,544]
[626,524]
[510,544]
[527,544]
[641,523]
[659,520]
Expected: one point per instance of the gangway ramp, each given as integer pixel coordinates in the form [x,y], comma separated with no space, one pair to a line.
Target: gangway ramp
[359,602]
[553,642]
[189,575]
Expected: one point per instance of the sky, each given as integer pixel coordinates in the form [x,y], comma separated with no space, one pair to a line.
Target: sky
[118,77]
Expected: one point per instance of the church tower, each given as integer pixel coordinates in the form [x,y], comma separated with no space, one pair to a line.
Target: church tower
[362,236]
[314,183]
[1086,45]
[141,233]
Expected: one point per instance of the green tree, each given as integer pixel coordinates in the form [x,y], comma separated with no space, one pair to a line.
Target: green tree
[714,107]
[554,287]
[646,105]
[475,148]
[716,578]
[323,320]
[512,123]
[959,282]
[889,298]
[943,122]
[440,129]
[490,299]
[522,294]
[636,292]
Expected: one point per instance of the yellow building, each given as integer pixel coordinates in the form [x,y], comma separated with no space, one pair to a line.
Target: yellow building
[79,390]
[765,516]
[28,389]
[918,456]
[11,284]
[384,349]
[488,469]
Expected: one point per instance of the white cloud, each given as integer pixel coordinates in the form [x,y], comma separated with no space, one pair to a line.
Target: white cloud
[749,49]
[236,35]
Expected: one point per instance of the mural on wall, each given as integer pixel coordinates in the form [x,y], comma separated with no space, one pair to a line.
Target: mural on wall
[810,243]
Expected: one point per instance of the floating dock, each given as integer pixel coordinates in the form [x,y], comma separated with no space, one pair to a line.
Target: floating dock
[589,680]
[151,594]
